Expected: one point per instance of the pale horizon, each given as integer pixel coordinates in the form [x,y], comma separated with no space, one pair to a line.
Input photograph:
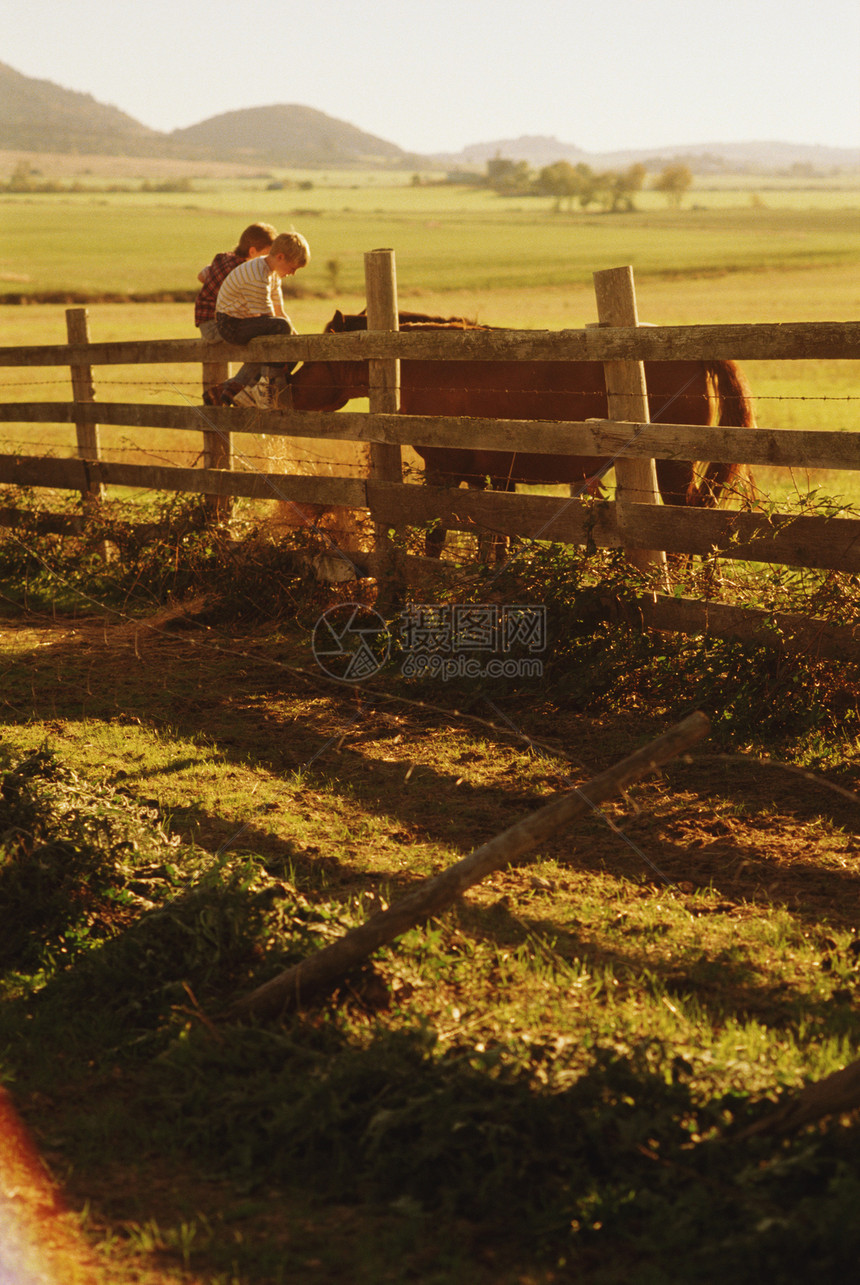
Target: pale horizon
[435,76]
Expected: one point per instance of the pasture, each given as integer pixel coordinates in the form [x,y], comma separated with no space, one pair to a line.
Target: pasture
[447,238]
[503,262]
[547,1083]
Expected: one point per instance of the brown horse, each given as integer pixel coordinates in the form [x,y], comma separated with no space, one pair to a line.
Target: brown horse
[680,392]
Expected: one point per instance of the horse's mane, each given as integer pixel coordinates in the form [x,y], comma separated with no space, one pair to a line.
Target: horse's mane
[408,321]
[443,323]
[427,319]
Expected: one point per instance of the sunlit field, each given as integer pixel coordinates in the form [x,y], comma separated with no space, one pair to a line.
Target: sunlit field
[447,237]
[119,248]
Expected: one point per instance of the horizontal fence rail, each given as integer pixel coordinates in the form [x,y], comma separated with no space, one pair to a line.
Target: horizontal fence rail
[814,448]
[792,341]
[827,543]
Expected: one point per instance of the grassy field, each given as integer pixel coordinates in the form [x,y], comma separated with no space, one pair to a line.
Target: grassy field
[547,1084]
[446,238]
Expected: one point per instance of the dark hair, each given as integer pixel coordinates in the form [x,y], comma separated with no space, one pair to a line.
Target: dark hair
[259,236]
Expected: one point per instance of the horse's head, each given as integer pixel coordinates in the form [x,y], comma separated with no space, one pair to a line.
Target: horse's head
[319,386]
[329,385]
[343,322]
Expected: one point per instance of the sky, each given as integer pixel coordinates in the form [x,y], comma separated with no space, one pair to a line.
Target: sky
[438,75]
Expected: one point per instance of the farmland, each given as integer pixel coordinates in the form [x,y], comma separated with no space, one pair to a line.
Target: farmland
[547,1083]
[447,238]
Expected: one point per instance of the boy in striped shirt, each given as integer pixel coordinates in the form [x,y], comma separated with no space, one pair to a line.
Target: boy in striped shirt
[250,302]
[256,239]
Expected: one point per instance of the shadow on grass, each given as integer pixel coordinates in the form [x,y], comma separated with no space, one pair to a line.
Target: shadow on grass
[602,1168]
[595,1164]
[246,718]
[247,725]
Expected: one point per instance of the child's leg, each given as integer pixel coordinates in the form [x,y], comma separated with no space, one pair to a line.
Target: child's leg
[246,374]
[241,330]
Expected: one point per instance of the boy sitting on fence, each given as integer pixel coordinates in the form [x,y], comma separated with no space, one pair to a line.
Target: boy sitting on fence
[250,303]
[255,240]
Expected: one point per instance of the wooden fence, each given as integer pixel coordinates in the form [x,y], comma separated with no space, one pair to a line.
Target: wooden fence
[645,529]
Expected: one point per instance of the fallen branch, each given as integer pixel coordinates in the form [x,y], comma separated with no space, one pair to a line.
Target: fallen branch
[783,767]
[318,975]
[836,1094]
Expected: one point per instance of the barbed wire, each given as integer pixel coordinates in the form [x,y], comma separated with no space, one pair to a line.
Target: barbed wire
[292,464]
[538,391]
[281,457]
[274,464]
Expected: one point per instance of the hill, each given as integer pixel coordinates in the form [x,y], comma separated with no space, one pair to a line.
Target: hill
[756,157]
[703,158]
[285,135]
[39,116]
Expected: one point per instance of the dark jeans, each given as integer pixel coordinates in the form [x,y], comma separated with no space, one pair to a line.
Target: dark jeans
[241,330]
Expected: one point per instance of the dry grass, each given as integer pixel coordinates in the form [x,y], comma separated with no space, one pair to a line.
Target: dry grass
[74,165]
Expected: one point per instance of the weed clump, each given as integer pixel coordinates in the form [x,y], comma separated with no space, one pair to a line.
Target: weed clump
[67,857]
[600,656]
[133,558]
[95,891]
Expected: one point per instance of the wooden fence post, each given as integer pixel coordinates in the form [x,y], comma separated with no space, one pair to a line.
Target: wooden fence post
[382,314]
[217,447]
[78,332]
[217,444]
[636,479]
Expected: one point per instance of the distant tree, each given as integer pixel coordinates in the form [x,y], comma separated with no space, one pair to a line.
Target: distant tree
[616,189]
[23,178]
[673,182]
[563,181]
[627,184]
[601,190]
[613,189]
[568,182]
[507,177]
[27,179]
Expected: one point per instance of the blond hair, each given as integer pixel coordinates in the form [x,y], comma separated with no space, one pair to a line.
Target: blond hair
[293,246]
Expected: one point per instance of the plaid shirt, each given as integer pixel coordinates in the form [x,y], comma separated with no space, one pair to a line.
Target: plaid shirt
[220,267]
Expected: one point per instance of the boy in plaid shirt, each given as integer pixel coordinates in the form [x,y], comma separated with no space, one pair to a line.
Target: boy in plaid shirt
[255,240]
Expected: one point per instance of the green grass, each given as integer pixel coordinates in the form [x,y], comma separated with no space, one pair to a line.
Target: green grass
[445,239]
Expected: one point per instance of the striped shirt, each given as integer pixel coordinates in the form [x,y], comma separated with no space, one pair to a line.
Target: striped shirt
[251,290]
